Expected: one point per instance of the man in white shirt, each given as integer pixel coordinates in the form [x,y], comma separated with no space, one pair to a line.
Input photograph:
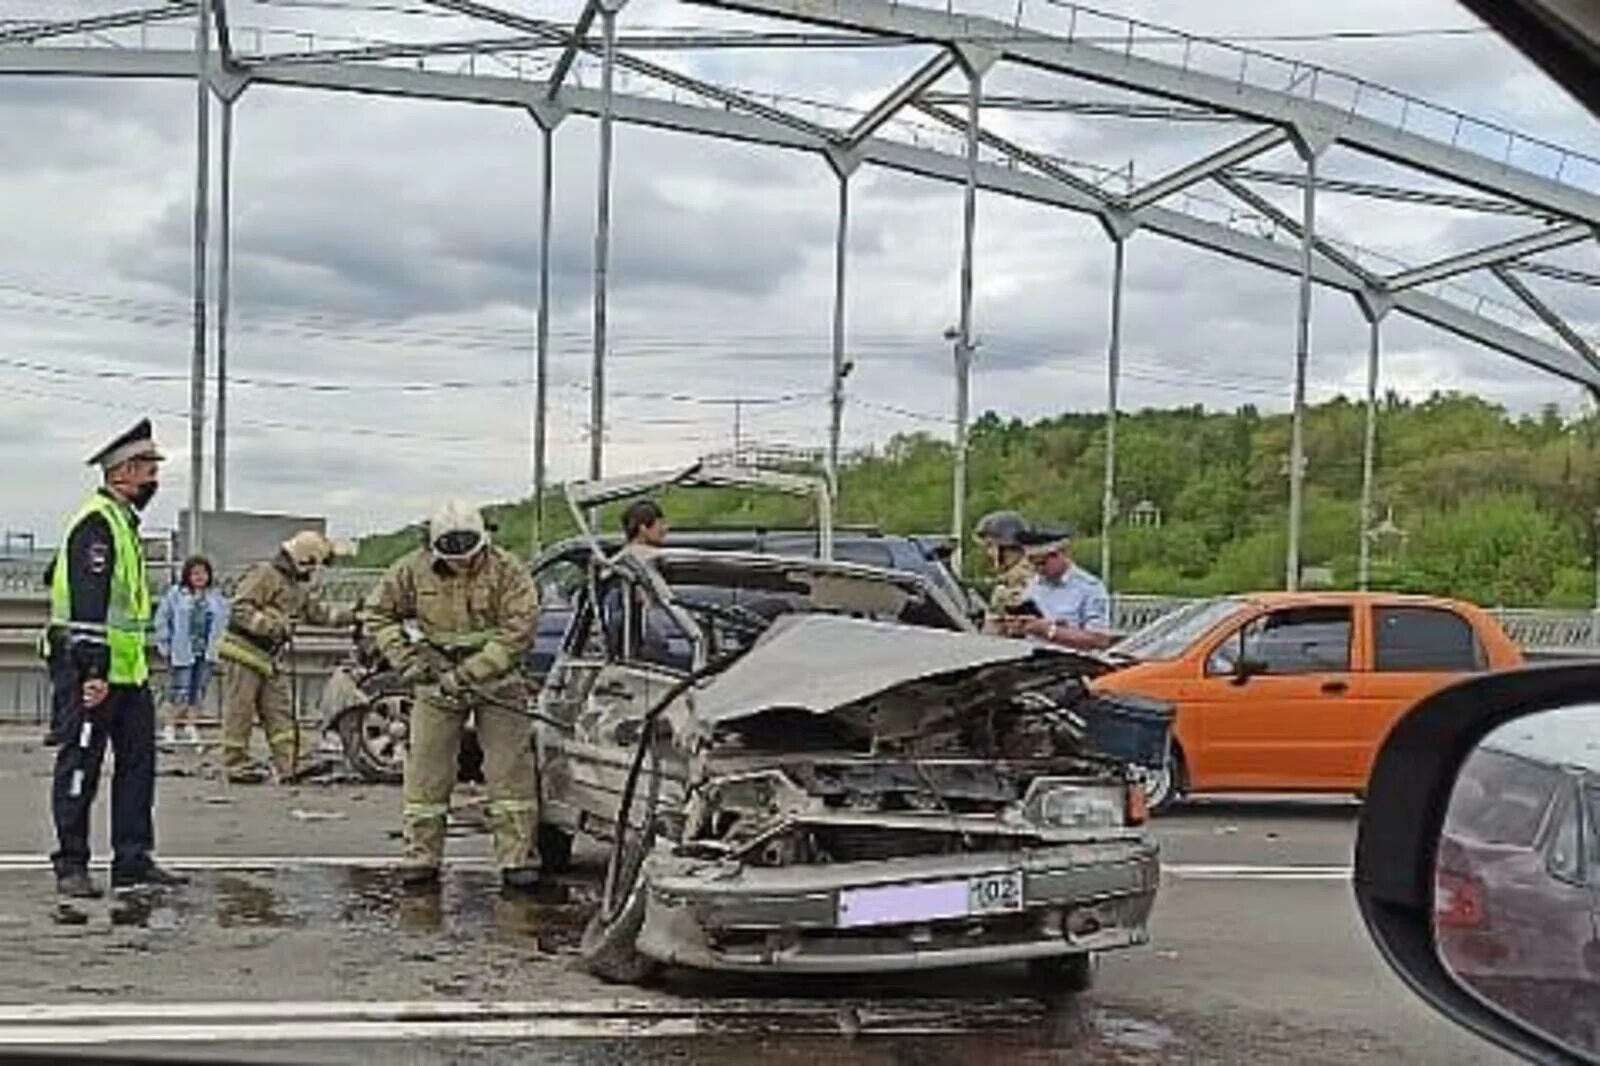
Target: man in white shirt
[1074,606]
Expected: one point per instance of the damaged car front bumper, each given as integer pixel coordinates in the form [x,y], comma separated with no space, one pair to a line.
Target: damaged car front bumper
[900,914]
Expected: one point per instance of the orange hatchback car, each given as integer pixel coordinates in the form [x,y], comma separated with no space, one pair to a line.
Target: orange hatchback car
[1294,692]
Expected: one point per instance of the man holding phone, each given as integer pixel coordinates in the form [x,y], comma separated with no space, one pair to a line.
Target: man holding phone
[99,623]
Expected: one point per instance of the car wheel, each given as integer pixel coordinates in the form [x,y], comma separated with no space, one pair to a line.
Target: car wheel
[1064,973]
[555,849]
[374,737]
[608,947]
[1164,787]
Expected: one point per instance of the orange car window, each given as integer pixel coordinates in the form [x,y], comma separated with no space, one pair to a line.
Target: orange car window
[1300,640]
[1425,640]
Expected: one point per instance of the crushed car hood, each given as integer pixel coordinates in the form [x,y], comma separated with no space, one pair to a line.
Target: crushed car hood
[821,663]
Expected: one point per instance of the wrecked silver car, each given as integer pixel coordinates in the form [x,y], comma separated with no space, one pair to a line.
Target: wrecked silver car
[818,767]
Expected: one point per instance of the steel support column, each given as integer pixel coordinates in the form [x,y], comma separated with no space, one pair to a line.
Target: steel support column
[1108,500]
[840,367]
[541,357]
[219,477]
[602,238]
[975,64]
[1302,358]
[202,196]
[1374,308]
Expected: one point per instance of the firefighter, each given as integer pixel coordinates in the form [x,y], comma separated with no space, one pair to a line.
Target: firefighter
[473,609]
[1001,533]
[99,621]
[268,602]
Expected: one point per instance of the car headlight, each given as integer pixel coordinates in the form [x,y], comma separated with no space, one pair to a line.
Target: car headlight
[1057,803]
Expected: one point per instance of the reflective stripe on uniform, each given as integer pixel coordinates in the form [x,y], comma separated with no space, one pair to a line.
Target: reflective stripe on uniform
[510,806]
[233,649]
[282,736]
[425,812]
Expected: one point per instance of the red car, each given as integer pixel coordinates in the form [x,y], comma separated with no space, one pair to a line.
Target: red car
[1517,903]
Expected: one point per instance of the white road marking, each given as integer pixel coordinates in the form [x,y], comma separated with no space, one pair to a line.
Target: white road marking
[1183,871]
[322,1021]
[1200,871]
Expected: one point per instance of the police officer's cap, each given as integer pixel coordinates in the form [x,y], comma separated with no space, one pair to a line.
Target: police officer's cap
[1046,539]
[137,443]
[1005,528]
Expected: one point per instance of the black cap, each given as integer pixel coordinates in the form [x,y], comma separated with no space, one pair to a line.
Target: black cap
[137,443]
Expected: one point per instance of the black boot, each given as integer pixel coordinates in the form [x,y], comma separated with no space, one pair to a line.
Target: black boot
[521,879]
[147,873]
[77,884]
[418,875]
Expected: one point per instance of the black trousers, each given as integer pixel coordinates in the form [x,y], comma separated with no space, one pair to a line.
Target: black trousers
[127,719]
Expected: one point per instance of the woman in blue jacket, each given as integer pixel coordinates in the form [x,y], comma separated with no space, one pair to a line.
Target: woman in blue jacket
[188,629]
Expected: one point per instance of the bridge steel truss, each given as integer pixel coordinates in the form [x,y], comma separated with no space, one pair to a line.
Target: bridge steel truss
[1561,206]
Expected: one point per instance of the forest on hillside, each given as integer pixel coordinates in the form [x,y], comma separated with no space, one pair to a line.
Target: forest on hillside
[1482,505]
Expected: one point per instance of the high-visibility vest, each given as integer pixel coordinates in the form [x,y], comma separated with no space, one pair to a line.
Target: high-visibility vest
[127,625]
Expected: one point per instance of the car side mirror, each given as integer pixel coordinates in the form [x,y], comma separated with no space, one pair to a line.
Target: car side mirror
[1478,858]
[1245,668]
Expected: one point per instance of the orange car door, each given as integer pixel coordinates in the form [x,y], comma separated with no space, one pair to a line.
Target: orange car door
[1417,649]
[1280,723]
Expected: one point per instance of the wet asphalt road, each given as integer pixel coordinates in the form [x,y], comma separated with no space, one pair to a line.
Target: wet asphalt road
[1245,965]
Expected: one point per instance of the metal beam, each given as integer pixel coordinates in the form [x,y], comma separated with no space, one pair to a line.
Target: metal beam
[1180,179]
[541,368]
[923,78]
[964,338]
[1516,248]
[139,16]
[1374,190]
[1043,164]
[219,477]
[1369,446]
[1108,498]
[1269,210]
[1557,273]
[1115,66]
[841,250]
[644,42]
[727,125]
[1302,359]
[1097,108]
[219,18]
[202,204]
[602,240]
[667,75]
[569,54]
[1546,314]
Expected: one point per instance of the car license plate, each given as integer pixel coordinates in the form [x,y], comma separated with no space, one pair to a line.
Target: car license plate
[930,901]
[995,893]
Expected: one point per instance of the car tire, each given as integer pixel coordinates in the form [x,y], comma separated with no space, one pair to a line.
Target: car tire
[369,740]
[555,849]
[1167,786]
[1064,973]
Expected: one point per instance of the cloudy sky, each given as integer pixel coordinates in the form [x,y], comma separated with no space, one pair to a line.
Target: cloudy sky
[385,265]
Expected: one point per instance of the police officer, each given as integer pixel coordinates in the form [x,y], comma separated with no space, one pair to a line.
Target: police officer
[1074,608]
[475,609]
[1001,533]
[268,601]
[99,620]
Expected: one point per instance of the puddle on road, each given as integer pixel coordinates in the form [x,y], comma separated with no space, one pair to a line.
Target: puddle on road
[466,904]
[1133,1034]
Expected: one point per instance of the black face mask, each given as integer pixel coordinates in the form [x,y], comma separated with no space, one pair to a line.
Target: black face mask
[143,493]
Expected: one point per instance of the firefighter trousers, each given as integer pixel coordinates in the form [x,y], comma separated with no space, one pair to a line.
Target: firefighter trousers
[510,767]
[249,696]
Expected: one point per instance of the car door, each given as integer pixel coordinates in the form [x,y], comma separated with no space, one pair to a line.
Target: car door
[1417,649]
[1280,727]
